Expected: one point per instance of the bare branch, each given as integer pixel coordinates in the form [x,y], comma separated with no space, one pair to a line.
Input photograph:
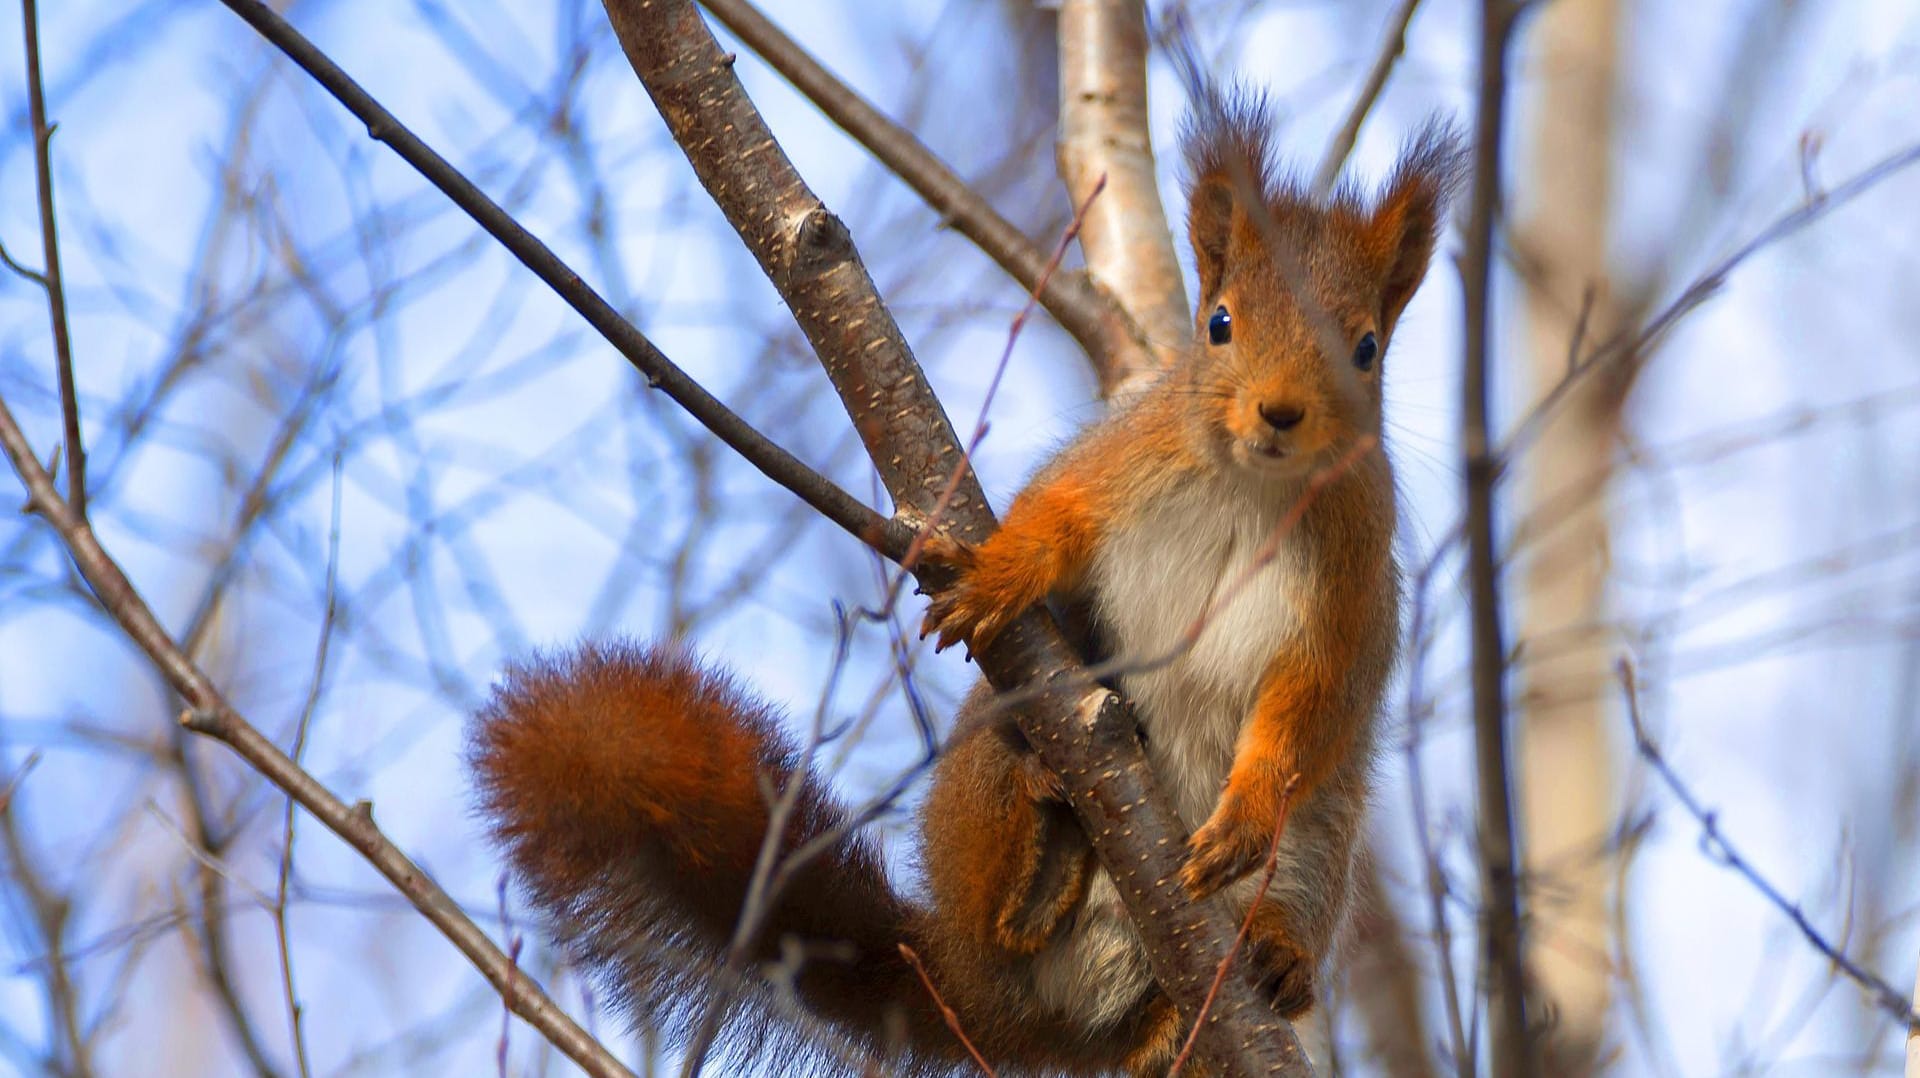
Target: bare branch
[1391,49]
[49,275]
[808,255]
[211,715]
[1103,132]
[946,1012]
[50,910]
[1499,850]
[776,463]
[1626,346]
[1436,890]
[1114,344]
[1884,995]
[316,686]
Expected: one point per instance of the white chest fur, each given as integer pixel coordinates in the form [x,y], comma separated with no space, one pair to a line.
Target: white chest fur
[1190,559]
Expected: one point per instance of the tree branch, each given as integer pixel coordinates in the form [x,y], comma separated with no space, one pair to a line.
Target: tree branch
[49,276]
[1083,736]
[776,463]
[49,910]
[1884,995]
[210,714]
[1103,132]
[1390,51]
[1499,852]
[1114,344]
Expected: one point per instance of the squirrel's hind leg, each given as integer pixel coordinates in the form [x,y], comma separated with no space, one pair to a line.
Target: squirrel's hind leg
[1002,850]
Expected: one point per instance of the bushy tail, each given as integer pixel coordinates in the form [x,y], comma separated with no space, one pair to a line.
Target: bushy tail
[630,790]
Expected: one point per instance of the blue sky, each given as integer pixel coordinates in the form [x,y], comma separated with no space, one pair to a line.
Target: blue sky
[1767,538]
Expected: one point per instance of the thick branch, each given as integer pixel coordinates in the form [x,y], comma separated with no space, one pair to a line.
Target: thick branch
[1103,132]
[806,252]
[1500,890]
[1115,345]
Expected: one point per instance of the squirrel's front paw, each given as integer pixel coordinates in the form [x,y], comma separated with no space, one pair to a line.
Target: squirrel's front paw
[1229,845]
[965,609]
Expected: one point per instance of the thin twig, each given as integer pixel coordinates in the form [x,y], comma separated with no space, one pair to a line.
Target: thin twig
[1715,845]
[514,943]
[1391,49]
[14,780]
[1417,713]
[1246,924]
[1499,849]
[946,1012]
[50,273]
[51,913]
[315,688]
[27,272]
[1623,347]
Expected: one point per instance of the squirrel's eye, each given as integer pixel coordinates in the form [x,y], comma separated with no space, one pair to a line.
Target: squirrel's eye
[1220,326]
[1365,351]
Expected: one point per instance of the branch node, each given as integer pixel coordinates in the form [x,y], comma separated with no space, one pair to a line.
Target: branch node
[820,241]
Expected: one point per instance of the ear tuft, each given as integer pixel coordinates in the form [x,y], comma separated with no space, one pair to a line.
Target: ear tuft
[1406,223]
[1229,164]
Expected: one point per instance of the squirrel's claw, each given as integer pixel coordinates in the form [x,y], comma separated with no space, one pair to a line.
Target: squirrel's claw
[959,616]
[960,613]
[1284,973]
[1225,848]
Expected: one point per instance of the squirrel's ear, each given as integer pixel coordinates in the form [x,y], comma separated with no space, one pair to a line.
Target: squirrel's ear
[1225,143]
[1405,225]
[1210,214]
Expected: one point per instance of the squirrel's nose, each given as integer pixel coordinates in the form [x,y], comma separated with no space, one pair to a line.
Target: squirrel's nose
[1282,416]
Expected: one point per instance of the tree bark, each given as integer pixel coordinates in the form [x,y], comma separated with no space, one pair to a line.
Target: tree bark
[1103,134]
[1081,732]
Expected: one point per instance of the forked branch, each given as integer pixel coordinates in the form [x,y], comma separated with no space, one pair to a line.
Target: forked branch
[1114,344]
[1085,738]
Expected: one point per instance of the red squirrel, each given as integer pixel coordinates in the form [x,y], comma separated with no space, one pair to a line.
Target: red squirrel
[629,784]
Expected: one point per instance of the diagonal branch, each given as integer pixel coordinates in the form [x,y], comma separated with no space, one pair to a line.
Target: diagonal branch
[209,714]
[1390,50]
[1087,738]
[776,463]
[1112,341]
[1714,843]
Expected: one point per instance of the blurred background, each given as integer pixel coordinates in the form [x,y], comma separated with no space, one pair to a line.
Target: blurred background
[358,459]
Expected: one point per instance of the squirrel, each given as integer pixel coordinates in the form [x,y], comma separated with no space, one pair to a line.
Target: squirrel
[630,786]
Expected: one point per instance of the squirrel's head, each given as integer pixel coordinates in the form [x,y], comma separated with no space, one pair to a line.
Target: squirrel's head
[1299,294]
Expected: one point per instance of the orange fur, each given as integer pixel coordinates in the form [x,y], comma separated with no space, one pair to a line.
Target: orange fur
[629,787]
